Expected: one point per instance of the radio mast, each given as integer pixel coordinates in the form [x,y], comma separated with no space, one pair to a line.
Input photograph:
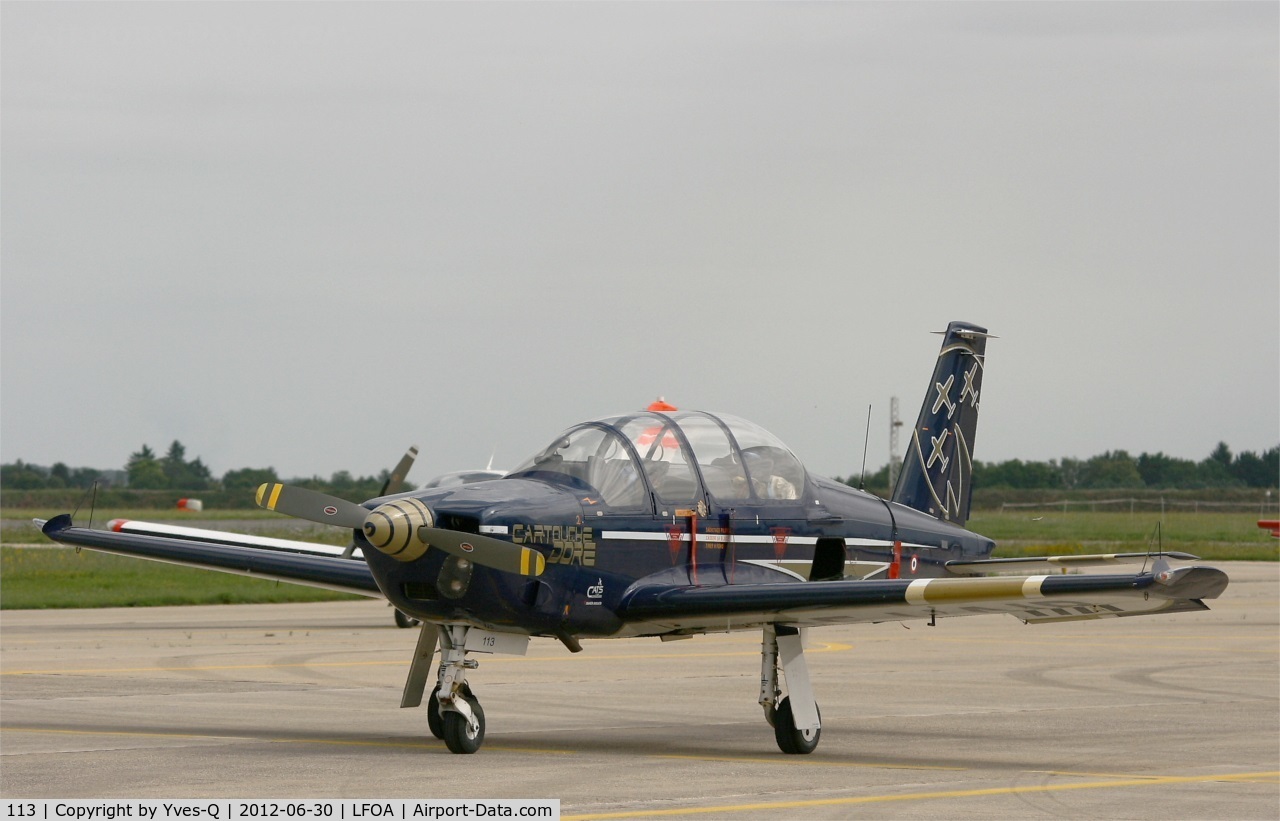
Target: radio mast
[895,459]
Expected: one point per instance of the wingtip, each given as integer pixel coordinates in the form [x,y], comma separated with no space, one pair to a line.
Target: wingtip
[57,524]
[1197,582]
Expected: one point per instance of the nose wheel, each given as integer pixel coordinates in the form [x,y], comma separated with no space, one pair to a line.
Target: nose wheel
[435,715]
[454,713]
[464,732]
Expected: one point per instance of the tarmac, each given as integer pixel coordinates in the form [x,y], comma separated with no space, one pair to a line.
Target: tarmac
[1152,717]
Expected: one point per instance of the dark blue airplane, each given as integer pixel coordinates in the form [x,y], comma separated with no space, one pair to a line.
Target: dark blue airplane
[675,523]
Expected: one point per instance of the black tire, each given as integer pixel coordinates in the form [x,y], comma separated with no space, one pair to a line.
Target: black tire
[457,731]
[434,720]
[790,740]
[403,620]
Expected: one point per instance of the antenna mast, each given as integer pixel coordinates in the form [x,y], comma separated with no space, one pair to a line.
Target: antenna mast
[862,483]
[895,460]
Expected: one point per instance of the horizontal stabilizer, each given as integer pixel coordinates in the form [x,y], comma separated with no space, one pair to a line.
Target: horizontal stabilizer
[982,567]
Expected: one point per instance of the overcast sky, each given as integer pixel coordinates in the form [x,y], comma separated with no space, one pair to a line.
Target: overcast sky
[308,235]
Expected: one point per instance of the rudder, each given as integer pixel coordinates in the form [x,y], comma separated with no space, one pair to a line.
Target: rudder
[938,468]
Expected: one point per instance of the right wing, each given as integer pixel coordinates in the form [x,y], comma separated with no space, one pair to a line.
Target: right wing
[309,569]
[980,567]
[657,608]
[195,534]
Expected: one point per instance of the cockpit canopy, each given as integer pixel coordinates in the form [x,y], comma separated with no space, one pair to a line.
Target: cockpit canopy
[675,453]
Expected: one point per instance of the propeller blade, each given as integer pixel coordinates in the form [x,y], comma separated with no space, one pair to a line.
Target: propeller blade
[405,528]
[396,479]
[311,505]
[486,551]
[400,529]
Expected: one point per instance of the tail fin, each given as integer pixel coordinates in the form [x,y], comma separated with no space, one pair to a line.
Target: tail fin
[936,473]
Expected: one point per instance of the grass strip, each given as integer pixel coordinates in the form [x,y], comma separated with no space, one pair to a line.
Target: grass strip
[61,577]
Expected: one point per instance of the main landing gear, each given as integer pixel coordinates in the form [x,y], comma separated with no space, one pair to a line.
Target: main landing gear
[453,711]
[795,718]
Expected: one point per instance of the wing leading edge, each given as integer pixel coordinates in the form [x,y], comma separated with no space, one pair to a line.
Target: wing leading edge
[328,572]
[658,609]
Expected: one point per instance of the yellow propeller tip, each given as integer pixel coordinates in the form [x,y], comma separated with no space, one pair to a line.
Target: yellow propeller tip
[265,500]
[531,562]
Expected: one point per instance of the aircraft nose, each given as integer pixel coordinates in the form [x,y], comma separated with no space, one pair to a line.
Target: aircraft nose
[393,528]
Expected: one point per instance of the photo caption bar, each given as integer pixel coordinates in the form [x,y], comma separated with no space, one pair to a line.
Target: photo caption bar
[311,809]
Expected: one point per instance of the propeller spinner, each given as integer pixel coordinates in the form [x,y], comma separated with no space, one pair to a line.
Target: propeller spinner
[402,529]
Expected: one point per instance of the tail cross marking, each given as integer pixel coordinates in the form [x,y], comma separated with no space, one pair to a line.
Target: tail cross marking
[936,455]
[944,396]
[969,389]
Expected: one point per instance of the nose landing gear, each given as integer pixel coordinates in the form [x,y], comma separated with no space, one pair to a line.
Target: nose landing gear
[462,720]
[454,714]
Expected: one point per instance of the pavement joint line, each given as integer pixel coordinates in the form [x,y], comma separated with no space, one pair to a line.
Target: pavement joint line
[774,806]
[805,762]
[819,647]
[1210,644]
[422,745]
[1086,774]
[138,734]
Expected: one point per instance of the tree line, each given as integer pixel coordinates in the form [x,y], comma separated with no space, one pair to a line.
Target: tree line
[1116,469]
[145,470]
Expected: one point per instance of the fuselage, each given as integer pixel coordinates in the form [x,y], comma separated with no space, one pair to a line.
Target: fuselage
[685,499]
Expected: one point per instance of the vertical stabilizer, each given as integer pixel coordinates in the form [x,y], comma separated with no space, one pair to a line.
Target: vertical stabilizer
[938,467]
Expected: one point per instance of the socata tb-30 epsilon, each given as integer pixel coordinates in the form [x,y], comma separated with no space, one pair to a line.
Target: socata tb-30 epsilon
[675,523]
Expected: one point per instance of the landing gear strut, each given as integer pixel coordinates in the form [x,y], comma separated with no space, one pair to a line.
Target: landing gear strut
[453,712]
[795,718]
[462,718]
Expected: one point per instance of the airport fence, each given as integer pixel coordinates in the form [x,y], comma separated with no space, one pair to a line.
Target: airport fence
[1264,507]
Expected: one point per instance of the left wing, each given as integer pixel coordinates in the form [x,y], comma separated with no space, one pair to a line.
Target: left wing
[310,569]
[656,608]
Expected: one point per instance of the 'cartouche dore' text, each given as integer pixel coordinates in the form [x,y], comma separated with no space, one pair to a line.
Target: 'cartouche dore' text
[569,545]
